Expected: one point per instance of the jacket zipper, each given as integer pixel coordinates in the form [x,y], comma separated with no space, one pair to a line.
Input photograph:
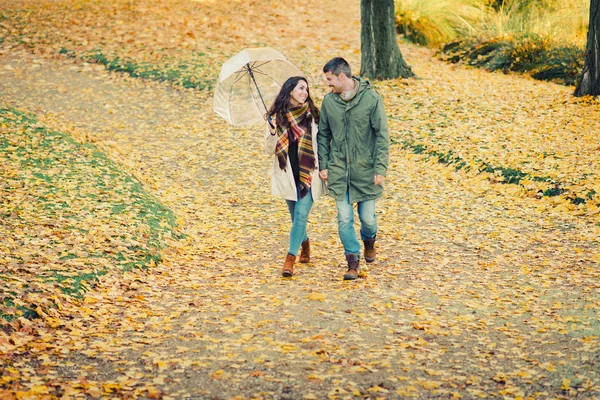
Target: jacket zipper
[347,154]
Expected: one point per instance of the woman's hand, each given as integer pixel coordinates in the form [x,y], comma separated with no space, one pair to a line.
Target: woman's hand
[272,126]
[324,174]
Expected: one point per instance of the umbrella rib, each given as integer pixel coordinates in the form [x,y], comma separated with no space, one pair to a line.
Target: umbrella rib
[238,95]
[258,71]
[254,64]
[240,75]
[252,93]
[242,72]
[270,77]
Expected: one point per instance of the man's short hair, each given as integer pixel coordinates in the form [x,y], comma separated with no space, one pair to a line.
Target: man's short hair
[338,65]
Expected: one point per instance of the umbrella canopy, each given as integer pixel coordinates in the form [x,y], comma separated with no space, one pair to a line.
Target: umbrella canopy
[248,84]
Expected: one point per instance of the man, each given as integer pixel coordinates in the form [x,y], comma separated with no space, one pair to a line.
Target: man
[353,149]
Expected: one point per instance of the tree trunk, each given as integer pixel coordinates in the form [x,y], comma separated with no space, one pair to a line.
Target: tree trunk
[380,55]
[589,82]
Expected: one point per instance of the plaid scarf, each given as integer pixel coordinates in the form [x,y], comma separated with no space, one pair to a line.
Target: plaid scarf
[299,125]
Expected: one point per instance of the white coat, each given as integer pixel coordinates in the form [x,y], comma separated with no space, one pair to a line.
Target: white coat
[282,182]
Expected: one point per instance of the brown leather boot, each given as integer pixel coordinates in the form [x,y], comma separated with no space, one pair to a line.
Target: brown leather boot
[370,252]
[353,262]
[288,266]
[305,252]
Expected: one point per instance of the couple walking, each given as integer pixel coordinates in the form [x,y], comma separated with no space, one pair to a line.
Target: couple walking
[344,146]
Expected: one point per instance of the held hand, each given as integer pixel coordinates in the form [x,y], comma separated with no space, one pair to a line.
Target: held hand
[324,174]
[379,179]
[271,124]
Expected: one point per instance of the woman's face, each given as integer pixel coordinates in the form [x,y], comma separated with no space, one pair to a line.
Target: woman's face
[299,95]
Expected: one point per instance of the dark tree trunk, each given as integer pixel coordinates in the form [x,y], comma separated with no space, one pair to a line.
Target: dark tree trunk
[589,82]
[380,55]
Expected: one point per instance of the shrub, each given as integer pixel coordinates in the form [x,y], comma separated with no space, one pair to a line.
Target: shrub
[543,38]
[493,54]
[431,22]
[537,56]
[544,60]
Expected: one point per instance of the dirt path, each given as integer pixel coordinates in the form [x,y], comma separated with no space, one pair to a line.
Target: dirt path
[475,293]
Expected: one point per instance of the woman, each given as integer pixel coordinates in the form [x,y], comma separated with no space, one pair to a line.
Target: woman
[292,139]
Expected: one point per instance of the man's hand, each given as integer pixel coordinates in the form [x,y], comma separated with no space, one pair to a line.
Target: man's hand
[379,179]
[324,174]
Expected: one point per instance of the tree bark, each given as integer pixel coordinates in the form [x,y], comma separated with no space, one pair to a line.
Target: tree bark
[589,82]
[380,54]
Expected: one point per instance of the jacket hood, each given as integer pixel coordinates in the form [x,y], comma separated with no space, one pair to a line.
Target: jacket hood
[363,86]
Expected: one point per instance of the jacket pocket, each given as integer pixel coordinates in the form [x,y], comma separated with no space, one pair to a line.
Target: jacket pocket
[336,168]
[362,171]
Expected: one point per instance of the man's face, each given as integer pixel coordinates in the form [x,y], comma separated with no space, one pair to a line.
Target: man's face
[334,82]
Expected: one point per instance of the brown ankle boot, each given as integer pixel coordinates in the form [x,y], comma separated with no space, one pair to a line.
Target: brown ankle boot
[370,252]
[353,262]
[305,252]
[288,266]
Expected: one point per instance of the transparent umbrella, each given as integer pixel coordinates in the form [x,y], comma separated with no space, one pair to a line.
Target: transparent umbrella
[248,84]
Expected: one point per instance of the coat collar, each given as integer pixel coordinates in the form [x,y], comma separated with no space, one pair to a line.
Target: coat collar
[363,86]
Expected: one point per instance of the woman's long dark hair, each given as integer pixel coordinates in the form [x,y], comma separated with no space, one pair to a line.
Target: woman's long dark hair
[281,104]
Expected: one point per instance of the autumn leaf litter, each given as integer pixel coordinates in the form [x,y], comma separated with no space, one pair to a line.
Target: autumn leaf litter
[482,288]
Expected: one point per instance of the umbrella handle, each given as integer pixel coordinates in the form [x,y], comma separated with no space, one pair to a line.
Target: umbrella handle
[259,94]
[270,121]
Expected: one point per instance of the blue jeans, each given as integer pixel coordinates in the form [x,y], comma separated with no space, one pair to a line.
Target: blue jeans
[299,211]
[368,223]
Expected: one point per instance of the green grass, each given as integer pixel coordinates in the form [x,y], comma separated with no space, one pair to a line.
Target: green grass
[188,75]
[509,175]
[54,192]
[8,302]
[76,285]
[505,175]
[193,70]
[66,52]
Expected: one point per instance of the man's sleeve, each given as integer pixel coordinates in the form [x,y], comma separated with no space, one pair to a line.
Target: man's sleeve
[382,144]
[324,139]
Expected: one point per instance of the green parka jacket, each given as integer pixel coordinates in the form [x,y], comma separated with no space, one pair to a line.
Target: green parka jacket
[354,143]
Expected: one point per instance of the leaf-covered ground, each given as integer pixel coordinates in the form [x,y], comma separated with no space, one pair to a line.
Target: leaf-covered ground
[70,216]
[487,283]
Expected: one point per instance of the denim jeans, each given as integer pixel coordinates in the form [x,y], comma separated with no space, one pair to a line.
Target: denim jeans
[299,211]
[368,223]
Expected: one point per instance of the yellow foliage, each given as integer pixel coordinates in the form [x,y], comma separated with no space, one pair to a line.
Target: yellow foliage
[481,288]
